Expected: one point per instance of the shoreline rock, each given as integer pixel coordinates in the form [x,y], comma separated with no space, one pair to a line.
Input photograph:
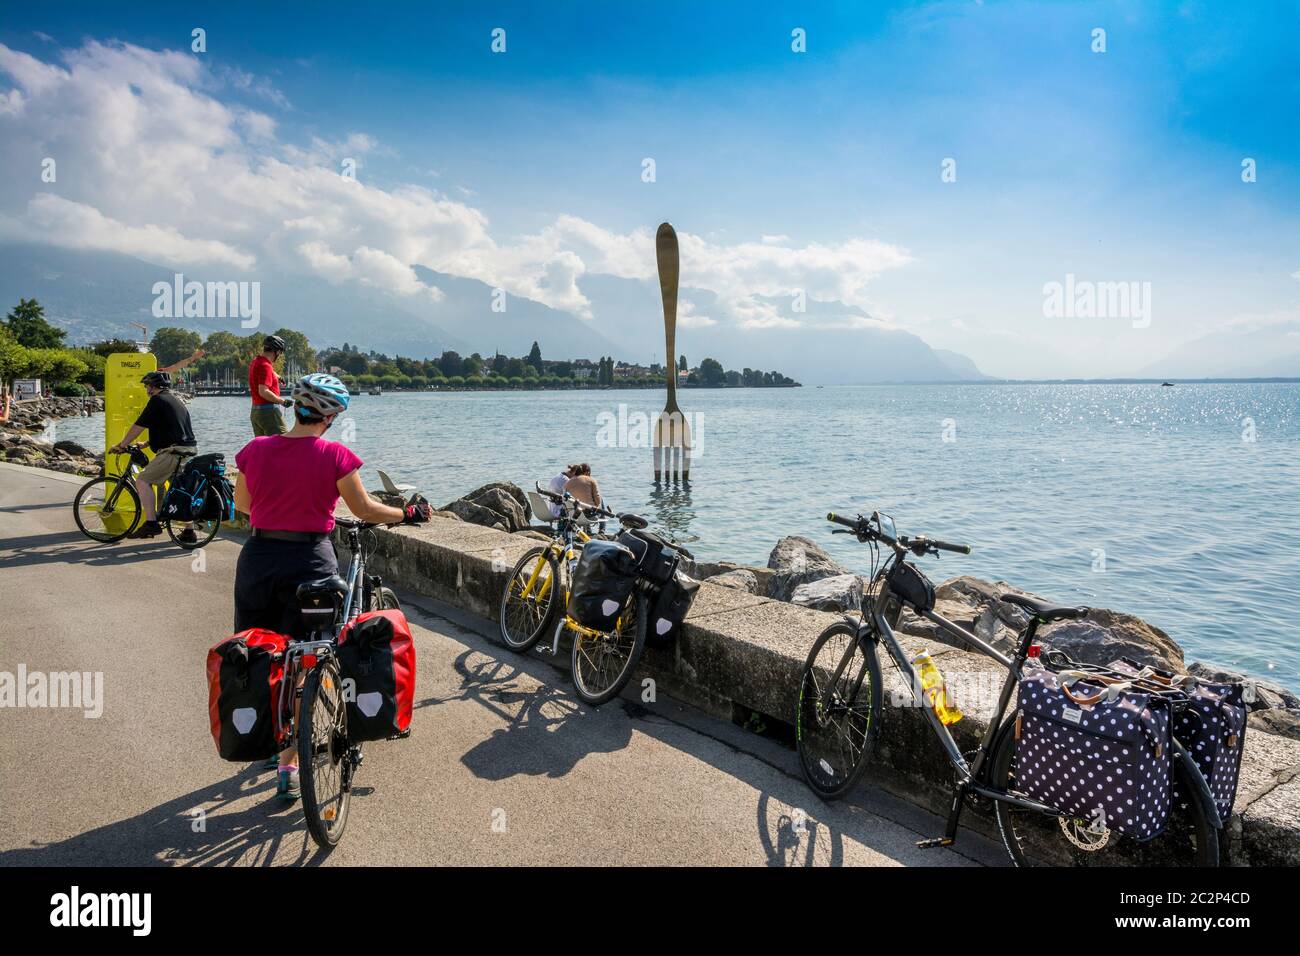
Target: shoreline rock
[21,441]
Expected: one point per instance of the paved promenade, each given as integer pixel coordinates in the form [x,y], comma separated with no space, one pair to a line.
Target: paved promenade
[504,765]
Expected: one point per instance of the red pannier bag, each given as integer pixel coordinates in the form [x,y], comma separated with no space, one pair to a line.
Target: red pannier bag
[245,673]
[377,664]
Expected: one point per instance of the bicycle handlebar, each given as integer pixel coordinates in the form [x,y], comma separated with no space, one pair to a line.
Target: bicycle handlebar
[861,527]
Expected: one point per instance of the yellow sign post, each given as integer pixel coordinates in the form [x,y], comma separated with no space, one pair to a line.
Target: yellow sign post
[124,400]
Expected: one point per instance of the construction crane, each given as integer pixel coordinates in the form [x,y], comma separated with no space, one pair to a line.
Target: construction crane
[143,344]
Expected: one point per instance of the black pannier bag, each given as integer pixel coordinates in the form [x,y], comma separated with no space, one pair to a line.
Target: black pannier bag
[200,491]
[656,558]
[1097,751]
[602,582]
[912,586]
[219,502]
[1212,726]
[186,496]
[670,608]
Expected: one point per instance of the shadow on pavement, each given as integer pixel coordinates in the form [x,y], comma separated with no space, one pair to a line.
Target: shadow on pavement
[72,547]
[547,732]
[165,835]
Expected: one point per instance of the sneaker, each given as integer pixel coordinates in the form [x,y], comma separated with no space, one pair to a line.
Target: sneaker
[148,529]
[272,764]
[287,785]
[187,537]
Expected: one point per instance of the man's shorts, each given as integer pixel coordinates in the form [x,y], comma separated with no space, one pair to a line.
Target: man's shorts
[165,463]
[267,420]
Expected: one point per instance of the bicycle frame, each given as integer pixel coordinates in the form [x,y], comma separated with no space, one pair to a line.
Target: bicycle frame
[970,774]
[324,646]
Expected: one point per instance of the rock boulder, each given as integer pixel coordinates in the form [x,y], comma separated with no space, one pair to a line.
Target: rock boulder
[795,561]
[840,592]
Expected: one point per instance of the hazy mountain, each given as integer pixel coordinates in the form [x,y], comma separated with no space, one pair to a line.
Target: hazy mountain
[834,343]
[961,366]
[96,294]
[1265,352]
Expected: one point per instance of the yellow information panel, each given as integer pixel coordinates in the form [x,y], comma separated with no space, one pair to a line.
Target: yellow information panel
[124,400]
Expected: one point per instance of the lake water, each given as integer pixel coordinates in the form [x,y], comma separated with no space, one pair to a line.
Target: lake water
[1180,505]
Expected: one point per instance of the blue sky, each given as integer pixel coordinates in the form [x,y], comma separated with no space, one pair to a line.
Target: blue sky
[1115,166]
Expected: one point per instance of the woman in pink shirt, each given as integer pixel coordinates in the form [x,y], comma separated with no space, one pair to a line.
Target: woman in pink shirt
[288,485]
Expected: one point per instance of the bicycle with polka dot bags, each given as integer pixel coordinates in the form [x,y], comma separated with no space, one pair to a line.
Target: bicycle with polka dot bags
[1079,768]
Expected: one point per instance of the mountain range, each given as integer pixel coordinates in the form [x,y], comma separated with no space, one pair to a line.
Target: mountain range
[95,295]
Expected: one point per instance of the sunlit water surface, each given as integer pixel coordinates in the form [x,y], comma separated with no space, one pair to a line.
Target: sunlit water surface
[1180,505]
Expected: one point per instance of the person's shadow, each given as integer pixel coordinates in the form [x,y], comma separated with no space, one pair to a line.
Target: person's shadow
[191,830]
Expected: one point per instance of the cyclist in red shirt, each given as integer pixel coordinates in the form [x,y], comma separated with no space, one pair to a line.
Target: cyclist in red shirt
[264,386]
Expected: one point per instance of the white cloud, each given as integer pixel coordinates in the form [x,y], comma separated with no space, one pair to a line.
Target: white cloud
[153,163]
[78,226]
[689,318]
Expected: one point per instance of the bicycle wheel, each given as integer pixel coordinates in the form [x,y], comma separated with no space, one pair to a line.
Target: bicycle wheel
[324,762]
[383,599]
[205,529]
[530,602]
[603,663]
[836,726]
[1033,838]
[106,509]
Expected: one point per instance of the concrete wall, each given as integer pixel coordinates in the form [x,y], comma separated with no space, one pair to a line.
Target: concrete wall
[741,653]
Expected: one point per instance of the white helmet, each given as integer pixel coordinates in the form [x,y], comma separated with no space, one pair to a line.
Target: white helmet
[322,394]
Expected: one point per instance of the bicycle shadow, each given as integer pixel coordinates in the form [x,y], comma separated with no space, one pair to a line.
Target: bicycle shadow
[547,731]
[71,547]
[175,833]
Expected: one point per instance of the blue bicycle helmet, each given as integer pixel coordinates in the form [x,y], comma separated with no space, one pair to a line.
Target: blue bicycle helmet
[320,394]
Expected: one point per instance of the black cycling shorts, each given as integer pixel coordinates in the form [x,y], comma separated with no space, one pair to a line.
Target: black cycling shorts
[267,575]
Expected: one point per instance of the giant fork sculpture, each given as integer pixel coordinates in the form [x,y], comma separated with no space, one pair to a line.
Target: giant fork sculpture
[672,448]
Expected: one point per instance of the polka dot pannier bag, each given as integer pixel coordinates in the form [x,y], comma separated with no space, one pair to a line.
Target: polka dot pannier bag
[1211,725]
[1099,752]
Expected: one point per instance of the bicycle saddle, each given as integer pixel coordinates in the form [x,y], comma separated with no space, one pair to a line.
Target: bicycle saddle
[1042,610]
[321,590]
[633,521]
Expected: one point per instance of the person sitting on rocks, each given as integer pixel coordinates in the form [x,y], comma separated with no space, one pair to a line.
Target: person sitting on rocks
[6,404]
[556,487]
[171,438]
[583,487]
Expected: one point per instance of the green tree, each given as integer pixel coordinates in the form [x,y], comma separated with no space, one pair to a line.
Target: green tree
[535,356]
[712,373]
[450,363]
[110,346]
[26,323]
[681,364]
[298,350]
[171,344]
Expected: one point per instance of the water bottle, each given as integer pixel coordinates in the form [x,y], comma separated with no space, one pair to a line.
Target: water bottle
[935,690]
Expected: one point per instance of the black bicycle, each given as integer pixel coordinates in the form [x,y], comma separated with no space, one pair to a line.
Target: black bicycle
[327,758]
[107,507]
[838,716]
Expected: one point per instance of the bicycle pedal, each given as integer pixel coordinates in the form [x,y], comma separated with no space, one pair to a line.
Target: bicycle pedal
[934,842]
[401,735]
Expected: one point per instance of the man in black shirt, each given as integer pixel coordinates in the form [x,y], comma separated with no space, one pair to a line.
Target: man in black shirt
[170,438]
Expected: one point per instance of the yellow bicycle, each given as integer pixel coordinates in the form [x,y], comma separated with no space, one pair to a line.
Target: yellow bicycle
[537,591]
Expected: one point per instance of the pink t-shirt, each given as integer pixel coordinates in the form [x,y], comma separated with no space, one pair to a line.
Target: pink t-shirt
[293,482]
